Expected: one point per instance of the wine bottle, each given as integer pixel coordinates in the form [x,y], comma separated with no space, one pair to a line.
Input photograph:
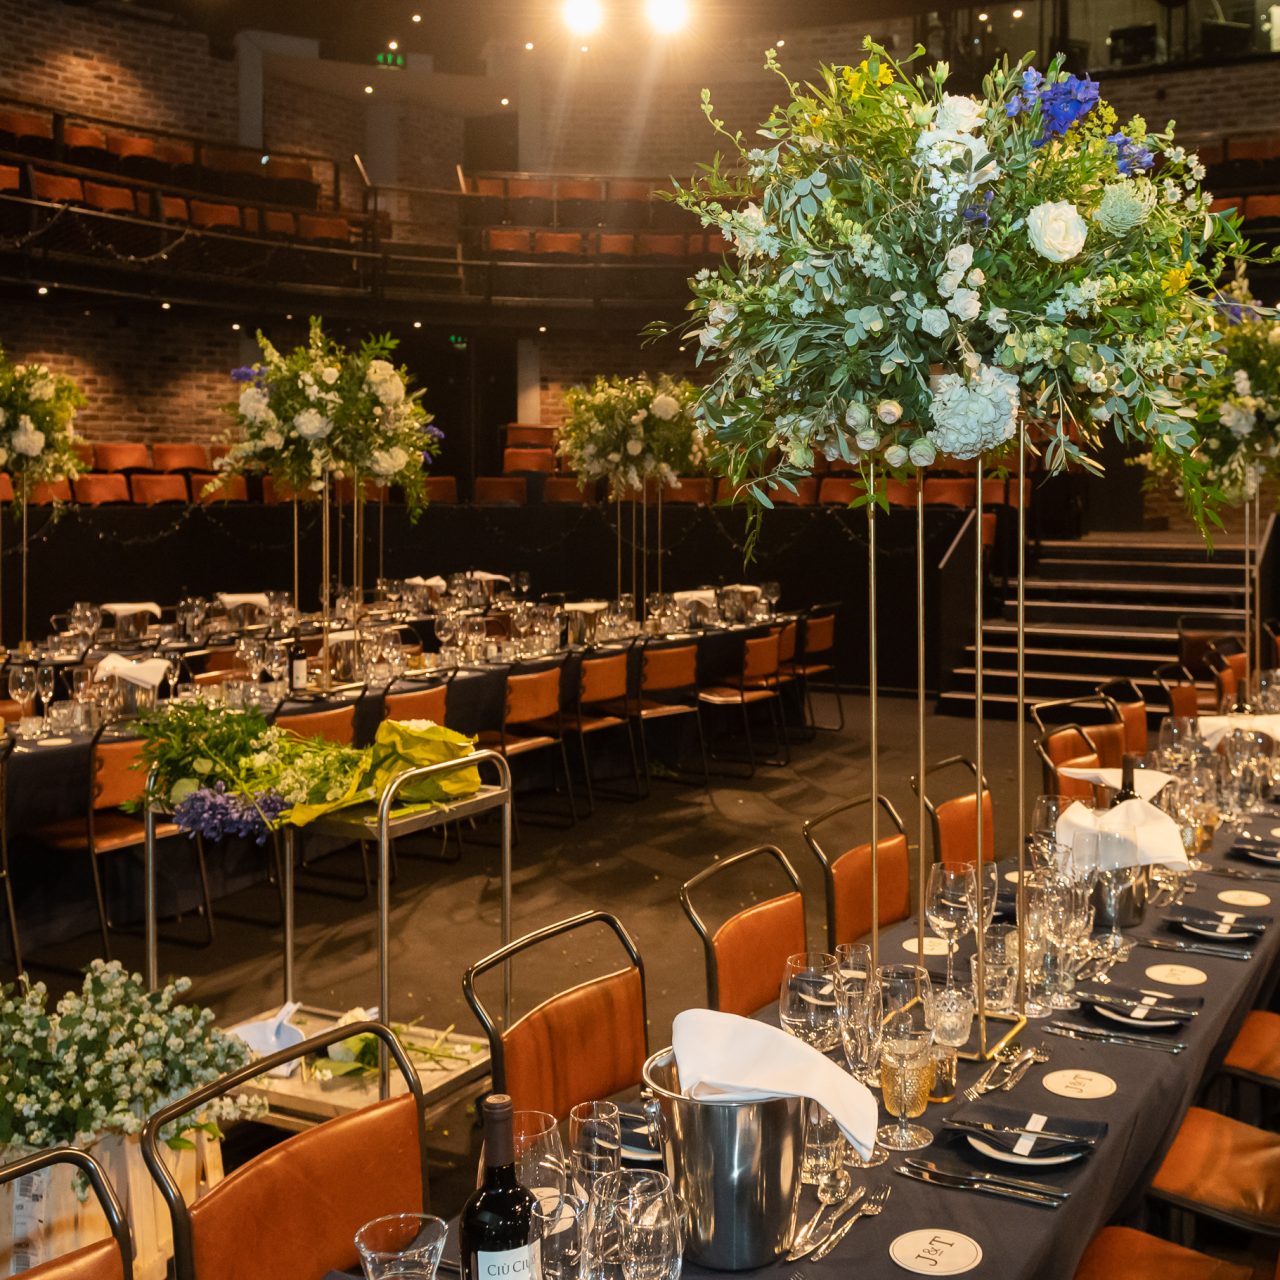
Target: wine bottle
[297,664]
[1127,790]
[496,1231]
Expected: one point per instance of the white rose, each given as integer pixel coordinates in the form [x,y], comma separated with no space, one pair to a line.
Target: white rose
[4,456]
[964,304]
[856,416]
[958,114]
[387,462]
[272,439]
[664,407]
[976,278]
[960,258]
[635,447]
[895,455]
[935,321]
[311,424]
[1057,230]
[867,440]
[949,282]
[329,375]
[921,453]
[889,412]
[997,320]
[42,389]
[27,440]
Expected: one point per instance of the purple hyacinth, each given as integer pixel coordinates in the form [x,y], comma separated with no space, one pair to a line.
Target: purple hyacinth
[214,814]
[1131,156]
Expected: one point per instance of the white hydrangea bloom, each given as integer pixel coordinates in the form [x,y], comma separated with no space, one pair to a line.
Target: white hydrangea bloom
[311,424]
[27,440]
[974,414]
[254,404]
[382,379]
[664,407]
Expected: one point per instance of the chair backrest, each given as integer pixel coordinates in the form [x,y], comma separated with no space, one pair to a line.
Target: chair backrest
[49,491]
[322,1185]
[760,656]
[510,491]
[1179,689]
[335,725]
[106,1259]
[115,455]
[787,640]
[1108,742]
[565,489]
[696,491]
[1127,704]
[603,679]
[522,458]
[216,486]
[150,490]
[442,489]
[747,954]
[113,779]
[664,668]
[421,704]
[954,821]
[588,1042]
[93,490]
[179,457]
[847,876]
[819,633]
[535,696]
[1066,746]
[949,492]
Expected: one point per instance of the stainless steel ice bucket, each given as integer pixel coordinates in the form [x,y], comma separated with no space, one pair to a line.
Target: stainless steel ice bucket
[583,621]
[735,1164]
[1128,904]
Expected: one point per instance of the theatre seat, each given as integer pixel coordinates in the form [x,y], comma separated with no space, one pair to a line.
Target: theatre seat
[229,488]
[56,187]
[95,491]
[501,491]
[47,493]
[111,199]
[442,489]
[112,455]
[564,489]
[150,491]
[523,459]
[179,457]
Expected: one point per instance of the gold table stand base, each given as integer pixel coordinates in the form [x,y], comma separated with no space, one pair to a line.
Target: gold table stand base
[1016,1023]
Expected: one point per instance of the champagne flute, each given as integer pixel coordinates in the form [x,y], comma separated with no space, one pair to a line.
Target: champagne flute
[595,1144]
[1117,873]
[906,1054]
[22,686]
[859,1005]
[946,905]
[988,876]
[46,682]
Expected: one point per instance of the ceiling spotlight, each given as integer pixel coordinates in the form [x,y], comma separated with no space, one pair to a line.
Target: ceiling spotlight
[585,47]
[528,44]
[288,315]
[983,17]
[417,324]
[582,17]
[1017,13]
[542,328]
[506,102]
[235,328]
[368,88]
[417,17]
[393,45]
[667,16]
[164,306]
[42,290]
[779,43]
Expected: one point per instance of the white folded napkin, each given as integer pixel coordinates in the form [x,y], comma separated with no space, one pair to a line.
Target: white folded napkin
[230,600]
[434,583]
[1214,728]
[1157,840]
[148,673]
[747,588]
[585,606]
[707,598]
[479,575]
[1148,783]
[724,1058]
[128,610]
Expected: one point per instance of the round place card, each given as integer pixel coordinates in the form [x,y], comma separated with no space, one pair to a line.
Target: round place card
[935,1251]
[932,946]
[1079,1084]
[1244,898]
[1177,975]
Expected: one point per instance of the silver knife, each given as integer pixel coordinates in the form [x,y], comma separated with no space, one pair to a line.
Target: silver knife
[1237,874]
[1196,948]
[985,1126]
[960,1182]
[803,1243]
[1073,1032]
[1127,1002]
[1019,1184]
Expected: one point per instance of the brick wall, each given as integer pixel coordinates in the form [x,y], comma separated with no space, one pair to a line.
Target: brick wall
[429,147]
[1210,100]
[121,68]
[158,376]
[298,118]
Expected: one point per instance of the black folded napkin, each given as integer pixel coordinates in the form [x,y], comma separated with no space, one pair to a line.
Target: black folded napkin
[1111,996]
[1203,919]
[964,1119]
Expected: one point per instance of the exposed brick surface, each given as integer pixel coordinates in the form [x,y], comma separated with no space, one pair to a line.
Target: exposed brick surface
[298,118]
[1210,100]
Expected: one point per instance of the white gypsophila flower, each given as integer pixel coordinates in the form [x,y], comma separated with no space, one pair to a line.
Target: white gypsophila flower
[960,258]
[935,321]
[974,414]
[1238,419]
[1240,380]
[1056,230]
[957,114]
[964,304]
[664,407]
[272,439]
[921,453]
[635,447]
[752,234]
[27,440]
[857,416]
[311,424]
[254,403]
[867,440]
[889,412]
[895,455]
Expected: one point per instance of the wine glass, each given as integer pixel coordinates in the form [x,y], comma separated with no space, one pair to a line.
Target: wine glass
[986,876]
[946,905]
[650,1233]
[1179,740]
[1116,873]
[539,1152]
[772,592]
[906,1053]
[859,1005]
[595,1144]
[807,1003]
[445,624]
[1032,908]
[46,682]
[22,686]
[1042,842]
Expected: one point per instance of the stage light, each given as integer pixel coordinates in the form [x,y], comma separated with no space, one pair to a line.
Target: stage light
[582,17]
[667,16]
[585,48]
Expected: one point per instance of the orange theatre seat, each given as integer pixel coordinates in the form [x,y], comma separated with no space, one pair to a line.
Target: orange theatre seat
[747,954]
[442,489]
[10,178]
[956,492]
[180,457]
[510,241]
[501,491]
[48,492]
[150,491]
[114,456]
[839,491]
[521,459]
[564,489]
[208,216]
[95,490]
[56,187]
[228,488]
[110,199]
[954,820]
[590,1041]
[564,243]
[848,875]
[691,491]
[324,229]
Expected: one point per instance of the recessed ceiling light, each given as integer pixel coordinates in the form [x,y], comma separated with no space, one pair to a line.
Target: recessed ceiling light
[1017,13]
[164,306]
[582,17]
[417,17]
[417,324]
[42,291]
[393,45]
[368,88]
[236,328]
[982,17]
[528,44]
[542,328]
[780,43]
[585,48]
[667,16]
[506,102]
[288,315]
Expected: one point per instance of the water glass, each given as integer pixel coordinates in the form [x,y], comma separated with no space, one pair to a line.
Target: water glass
[1001,978]
[406,1246]
[595,1144]
[807,1003]
[650,1235]
[822,1162]
[560,1223]
[946,904]
[63,717]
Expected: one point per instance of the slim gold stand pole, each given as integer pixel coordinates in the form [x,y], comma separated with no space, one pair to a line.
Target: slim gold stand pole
[635,543]
[1248,596]
[873,676]
[325,668]
[618,529]
[296,605]
[922,875]
[357,582]
[1020,713]
[660,538]
[644,552]
[25,645]
[979,717]
[382,533]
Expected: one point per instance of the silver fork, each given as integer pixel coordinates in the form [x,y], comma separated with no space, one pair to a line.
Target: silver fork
[867,1209]
[983,1083]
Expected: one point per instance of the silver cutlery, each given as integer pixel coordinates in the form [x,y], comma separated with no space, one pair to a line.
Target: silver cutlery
[1124,1002]
[1186,887]
[1074,1032]
[798,1251]
[1235,873]
[803,1239]
[867,1209]
[1018,1071]
[1197,948]
[1019,1184]
[965,1182]
[983,1083]
[986,1126]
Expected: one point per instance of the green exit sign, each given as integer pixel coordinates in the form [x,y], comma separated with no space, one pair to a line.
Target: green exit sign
[390,59]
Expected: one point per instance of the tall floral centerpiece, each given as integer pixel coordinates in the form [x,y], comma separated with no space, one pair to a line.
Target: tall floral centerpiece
[37,435]
[639,435]
[914,269]
[321,412]
[88,1070]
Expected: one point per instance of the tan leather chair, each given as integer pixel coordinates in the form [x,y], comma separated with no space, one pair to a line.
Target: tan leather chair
[294,1210]
[588,1042]
[1066,746]
[1179,690]
[1121,1253]
[1128,705]
[954,821]
[420,704]
[334,725]
[603,684]
[747,953]
[110,1259]
[759,682]
[1255,1052]
[817,658]
[848,875]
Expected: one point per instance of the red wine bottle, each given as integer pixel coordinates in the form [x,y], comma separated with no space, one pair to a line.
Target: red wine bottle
[1127,790]
[496,1231]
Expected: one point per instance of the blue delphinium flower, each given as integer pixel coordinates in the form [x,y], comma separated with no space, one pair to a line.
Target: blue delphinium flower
[1131,157]
[1061,103]
[245,373]
[212,813]
[433,432]
[977,213]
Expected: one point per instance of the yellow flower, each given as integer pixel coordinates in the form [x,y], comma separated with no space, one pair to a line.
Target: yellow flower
[857,79]
[1176,279]
[884,77]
